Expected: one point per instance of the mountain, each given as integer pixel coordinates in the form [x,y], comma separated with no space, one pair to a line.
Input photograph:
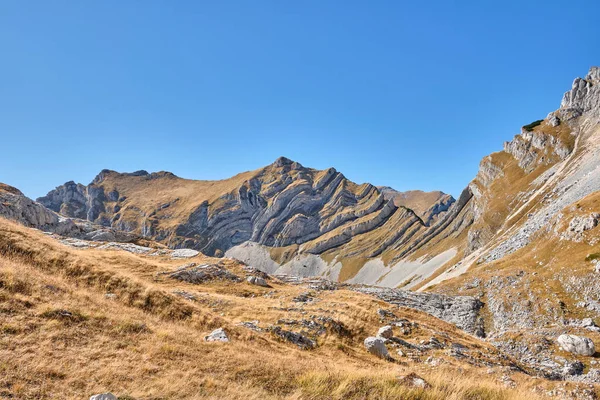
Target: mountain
[287,218]
[14,205]
[427,205]
[286,208]
[293,259]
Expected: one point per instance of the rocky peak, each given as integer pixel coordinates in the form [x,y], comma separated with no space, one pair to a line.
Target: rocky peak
[106,172]
[584,95]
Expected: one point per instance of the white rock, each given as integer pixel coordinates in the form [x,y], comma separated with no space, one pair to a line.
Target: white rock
[104,396]
[577,345]
[376,346]
[385,332]
[184,253]
[257,280]
[587,322]
[218,335]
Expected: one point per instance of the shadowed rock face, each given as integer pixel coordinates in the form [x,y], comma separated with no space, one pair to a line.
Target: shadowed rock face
[283,204]
[17,207]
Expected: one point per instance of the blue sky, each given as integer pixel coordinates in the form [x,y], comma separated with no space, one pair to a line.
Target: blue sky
[406,94]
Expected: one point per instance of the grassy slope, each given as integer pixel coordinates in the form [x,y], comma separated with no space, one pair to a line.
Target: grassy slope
[148,344]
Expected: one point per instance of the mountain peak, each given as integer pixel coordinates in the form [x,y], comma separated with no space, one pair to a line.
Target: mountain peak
[281,161]
[584,95]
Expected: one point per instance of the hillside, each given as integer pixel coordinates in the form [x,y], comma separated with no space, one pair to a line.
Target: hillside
[76,322]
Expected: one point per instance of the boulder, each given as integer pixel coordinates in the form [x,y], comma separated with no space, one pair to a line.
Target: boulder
[577,345]
[257,280]
[376,346]
[218,335]
[104,396]
[413,380]
[385,332]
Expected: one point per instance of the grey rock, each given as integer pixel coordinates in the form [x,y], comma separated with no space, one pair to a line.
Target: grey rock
[414,381]
[198,274]
[385,332]
[463,311]
[376,346]
[184,253]
[218,335]
[104,396]
[577,345]
[298,339]
[258,281]
[573,368]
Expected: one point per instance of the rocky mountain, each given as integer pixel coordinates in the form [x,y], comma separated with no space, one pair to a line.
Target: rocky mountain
[15,206]
[427,205]
[285,208]
[515,259]
[288,218]
[532,251]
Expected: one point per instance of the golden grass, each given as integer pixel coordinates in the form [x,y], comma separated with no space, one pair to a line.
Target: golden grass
[62,337]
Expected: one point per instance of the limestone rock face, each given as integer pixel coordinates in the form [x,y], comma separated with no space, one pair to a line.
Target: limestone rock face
[19,208]
[283,204]
[15,206]
[463,311]
[584,95]
[577,345]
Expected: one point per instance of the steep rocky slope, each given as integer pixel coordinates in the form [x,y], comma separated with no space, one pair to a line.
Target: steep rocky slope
[427,205]
[15,206]
[533,250]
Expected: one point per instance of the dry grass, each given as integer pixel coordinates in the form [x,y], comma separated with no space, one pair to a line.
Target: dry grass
[62,337]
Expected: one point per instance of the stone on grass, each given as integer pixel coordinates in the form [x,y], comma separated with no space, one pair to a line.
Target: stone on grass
[257,280]
[413,380]
[218,335]
[104,396]
[385,332]
[376,346]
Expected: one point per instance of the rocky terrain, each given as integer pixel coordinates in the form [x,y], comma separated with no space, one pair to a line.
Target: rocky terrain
[16,206]
[512,263]
[159,326]
[285,208]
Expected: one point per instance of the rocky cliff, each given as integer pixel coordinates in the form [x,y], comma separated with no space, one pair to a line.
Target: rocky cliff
[15,206]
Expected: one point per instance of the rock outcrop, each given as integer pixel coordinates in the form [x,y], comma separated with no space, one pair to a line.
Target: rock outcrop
[104,396]
[218,335]
[15,206]
[462,311]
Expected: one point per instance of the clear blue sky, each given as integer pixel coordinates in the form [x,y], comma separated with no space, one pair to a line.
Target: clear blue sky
[406,94]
